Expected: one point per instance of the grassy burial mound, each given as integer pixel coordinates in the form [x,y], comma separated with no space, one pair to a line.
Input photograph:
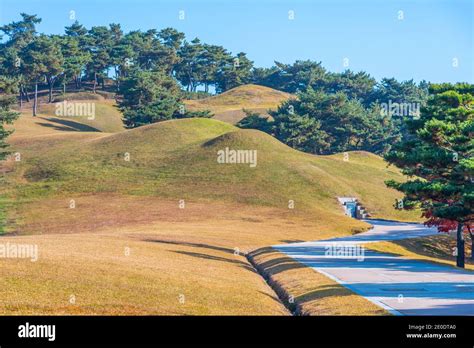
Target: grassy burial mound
[178,160]
[228,106]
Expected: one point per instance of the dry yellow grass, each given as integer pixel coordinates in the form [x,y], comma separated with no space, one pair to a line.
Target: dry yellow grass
[308,292]
[112,274]
[438,248]
[229,225]
[107,119]
[196,252]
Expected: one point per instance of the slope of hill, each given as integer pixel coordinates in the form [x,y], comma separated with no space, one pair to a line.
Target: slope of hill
[178,159]
[107,119]
[228,106]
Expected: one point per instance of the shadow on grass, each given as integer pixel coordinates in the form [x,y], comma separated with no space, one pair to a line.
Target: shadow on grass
[194,245]
[288,241]
[67,125]
[216,258]
[276,265]
[438,246]
[324,291]
[274,298]
[263,251]
[280,264]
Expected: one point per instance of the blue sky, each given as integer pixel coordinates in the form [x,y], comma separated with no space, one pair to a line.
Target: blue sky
[432,35]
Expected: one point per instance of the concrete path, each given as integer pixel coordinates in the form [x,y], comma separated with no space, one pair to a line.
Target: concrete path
[400,285]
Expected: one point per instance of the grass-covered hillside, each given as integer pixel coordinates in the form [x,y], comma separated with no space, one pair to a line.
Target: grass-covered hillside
[228,106]
[178,160]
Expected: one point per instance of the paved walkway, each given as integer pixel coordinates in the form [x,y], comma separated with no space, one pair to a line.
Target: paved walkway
[400,285]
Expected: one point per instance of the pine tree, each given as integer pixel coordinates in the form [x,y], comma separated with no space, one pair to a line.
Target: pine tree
[7,116]
[42,60]
[438,158]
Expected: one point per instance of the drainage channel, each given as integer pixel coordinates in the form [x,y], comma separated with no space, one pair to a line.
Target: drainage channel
[283,296]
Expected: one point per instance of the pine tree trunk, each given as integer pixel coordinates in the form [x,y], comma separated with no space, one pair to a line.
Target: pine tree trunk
[35,102]
[95,81]
[472,243]
[21,98]
[25,92]
[50,86]
[460,246]
[117,76]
